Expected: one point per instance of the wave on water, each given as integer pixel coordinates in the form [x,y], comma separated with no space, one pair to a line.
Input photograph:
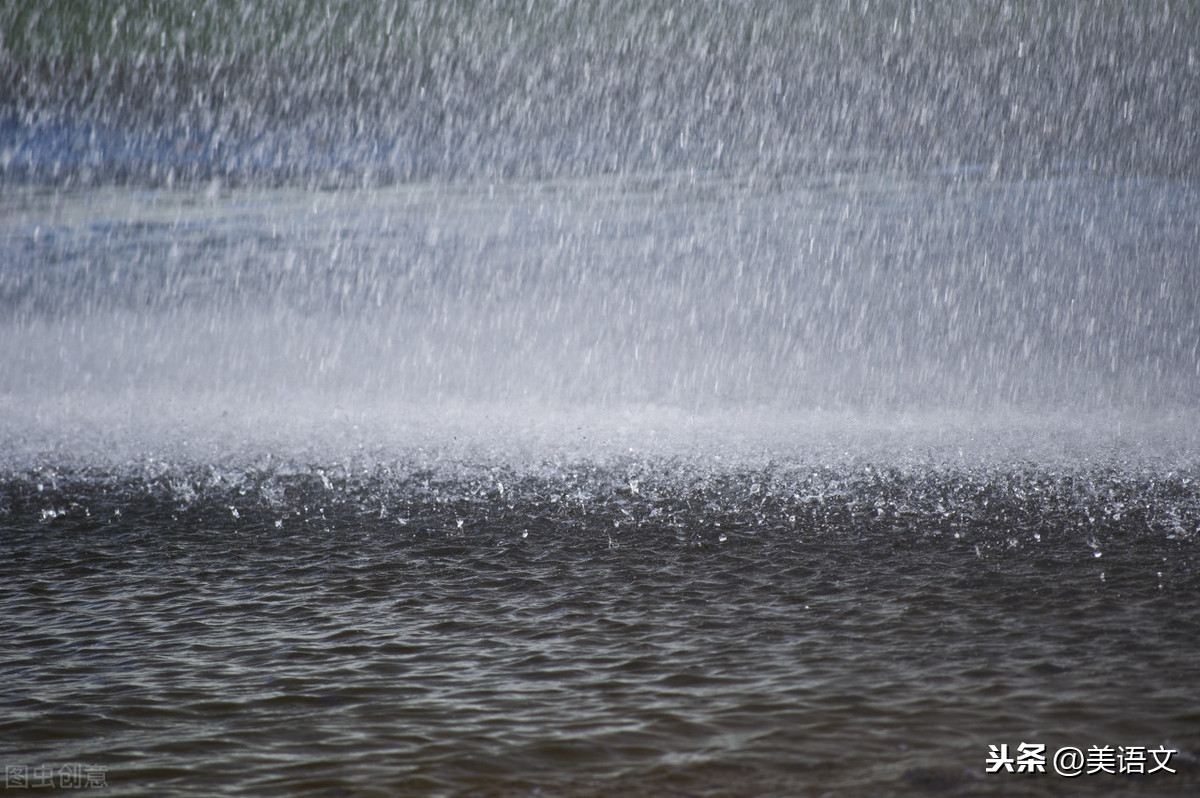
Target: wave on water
[625,606]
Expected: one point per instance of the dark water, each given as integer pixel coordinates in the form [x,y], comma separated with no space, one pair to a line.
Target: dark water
[638,627]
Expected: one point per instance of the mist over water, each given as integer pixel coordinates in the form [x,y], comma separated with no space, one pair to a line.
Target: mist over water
[860,294]
[732,398]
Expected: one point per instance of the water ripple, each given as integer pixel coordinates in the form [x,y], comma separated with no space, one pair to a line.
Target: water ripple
[718,634]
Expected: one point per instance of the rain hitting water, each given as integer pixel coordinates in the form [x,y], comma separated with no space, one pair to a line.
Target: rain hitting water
[578,399]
